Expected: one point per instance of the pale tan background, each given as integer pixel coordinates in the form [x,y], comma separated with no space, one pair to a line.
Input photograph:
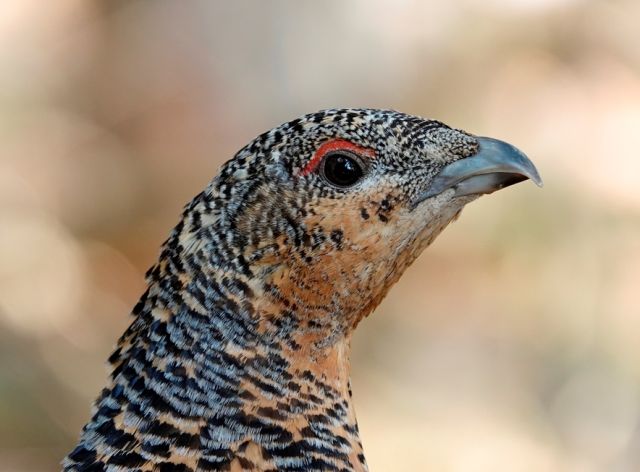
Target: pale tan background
[511,345]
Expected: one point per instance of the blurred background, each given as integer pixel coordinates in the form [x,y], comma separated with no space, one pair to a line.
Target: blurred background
[512,344]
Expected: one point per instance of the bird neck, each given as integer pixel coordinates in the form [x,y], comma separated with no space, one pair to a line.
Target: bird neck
[214,371]
[226,366]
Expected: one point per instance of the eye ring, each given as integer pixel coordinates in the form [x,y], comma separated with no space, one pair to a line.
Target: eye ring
[342,169]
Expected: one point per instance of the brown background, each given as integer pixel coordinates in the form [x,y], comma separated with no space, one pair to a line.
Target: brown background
[511,345]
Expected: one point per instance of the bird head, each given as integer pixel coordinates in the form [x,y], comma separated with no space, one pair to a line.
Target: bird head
[238,355]
[324,213]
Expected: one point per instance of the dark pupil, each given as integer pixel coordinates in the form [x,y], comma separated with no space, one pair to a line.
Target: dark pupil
[342,170]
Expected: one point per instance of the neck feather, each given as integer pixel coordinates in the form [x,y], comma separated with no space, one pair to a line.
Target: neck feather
[215,373]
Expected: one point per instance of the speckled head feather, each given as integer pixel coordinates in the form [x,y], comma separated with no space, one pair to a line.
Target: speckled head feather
[238,356]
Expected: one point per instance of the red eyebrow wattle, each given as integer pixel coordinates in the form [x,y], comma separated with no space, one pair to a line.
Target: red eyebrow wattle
[335,145]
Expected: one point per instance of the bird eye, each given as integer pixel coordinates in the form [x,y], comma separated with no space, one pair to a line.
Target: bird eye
[341,169]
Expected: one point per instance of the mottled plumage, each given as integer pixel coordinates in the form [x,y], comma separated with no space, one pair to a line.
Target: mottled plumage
[238,355]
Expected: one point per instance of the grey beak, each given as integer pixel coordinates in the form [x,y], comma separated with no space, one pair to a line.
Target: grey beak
[495,166]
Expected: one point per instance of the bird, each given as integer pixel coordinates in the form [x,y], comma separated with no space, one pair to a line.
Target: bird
[237,357]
